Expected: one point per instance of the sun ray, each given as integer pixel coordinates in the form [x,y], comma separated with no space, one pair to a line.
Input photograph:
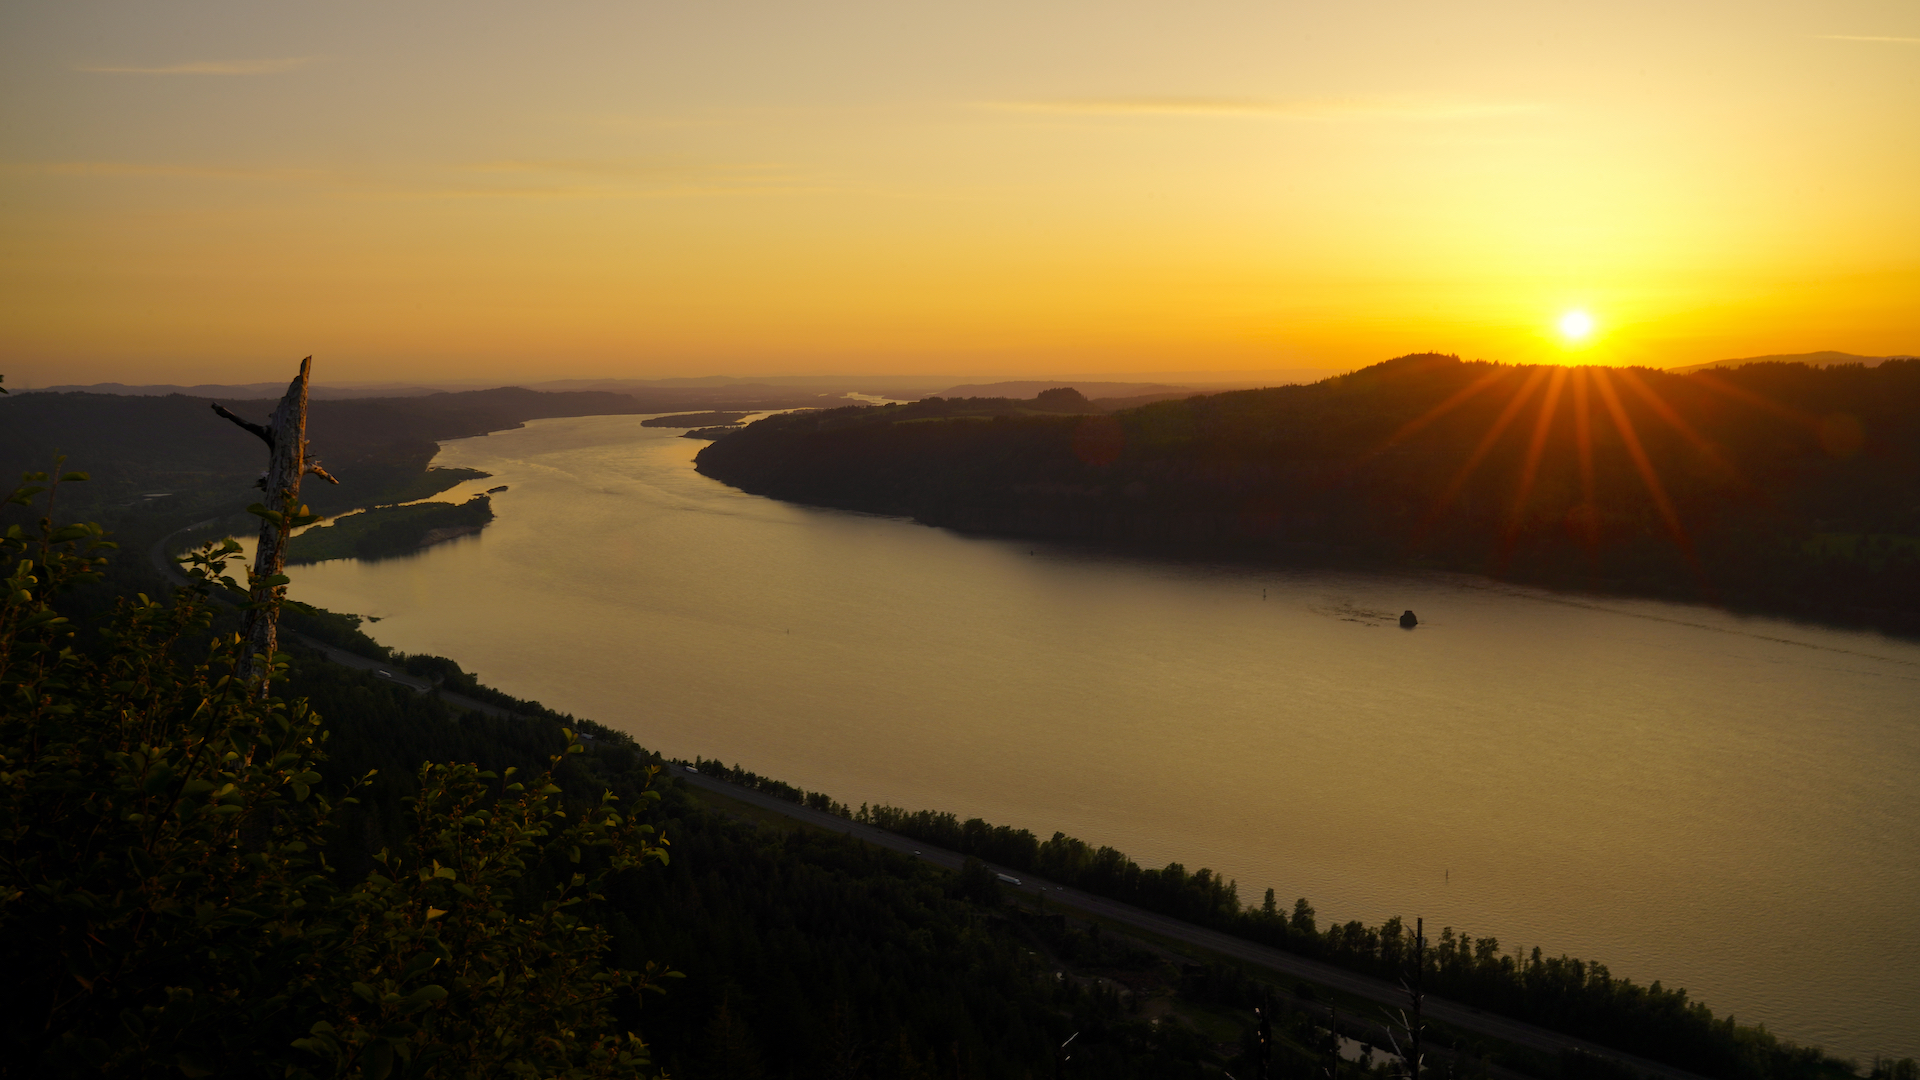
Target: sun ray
[1407,430]
[1455,400]
[1742,394]
[1642,464]
[1674,420]
[1531,467]
[1583,442]
[1486,443]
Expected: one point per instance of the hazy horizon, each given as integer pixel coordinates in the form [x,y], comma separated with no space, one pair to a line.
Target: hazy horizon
[931,382]
[903,379]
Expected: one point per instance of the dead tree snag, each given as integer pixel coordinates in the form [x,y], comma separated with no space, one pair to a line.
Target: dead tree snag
[285,434]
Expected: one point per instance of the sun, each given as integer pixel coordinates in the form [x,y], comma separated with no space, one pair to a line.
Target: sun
[1576,326]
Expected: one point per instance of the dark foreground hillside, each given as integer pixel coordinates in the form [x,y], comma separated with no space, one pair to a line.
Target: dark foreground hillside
[1772,487]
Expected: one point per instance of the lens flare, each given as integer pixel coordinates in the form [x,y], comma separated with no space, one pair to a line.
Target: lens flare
[1576,325]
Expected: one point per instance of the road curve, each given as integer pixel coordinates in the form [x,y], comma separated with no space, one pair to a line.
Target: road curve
[1464,1017]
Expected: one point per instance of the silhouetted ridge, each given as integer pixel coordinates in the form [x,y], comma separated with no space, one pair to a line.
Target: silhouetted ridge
[1777,486]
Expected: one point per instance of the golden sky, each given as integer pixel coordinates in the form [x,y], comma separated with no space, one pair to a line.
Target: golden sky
[205,191]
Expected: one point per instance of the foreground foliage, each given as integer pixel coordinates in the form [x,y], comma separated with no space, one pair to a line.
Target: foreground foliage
[166,904]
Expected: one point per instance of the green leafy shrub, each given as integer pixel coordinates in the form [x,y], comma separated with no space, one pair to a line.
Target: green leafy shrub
[166,905]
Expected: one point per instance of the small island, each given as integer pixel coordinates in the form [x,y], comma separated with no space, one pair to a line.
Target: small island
[694,420]
[712,433]
[387,531]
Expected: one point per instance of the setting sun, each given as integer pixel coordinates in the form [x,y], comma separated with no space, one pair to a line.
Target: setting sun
[1576,326]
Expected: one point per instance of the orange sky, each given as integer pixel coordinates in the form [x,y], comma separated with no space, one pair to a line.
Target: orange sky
[202,192]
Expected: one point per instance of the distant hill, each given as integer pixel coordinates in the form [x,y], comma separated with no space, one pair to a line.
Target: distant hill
[1105,390]
[242,390]
[1828,358]
[667,394]
[1027,388]
[1772,486]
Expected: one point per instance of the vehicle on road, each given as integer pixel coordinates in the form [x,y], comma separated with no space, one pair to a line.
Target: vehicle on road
[1008,878]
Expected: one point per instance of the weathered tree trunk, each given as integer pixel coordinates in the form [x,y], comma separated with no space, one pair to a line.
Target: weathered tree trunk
[285,434]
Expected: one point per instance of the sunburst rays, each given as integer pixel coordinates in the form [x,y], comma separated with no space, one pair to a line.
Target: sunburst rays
[1453,401]
[1630,438]
[1563,398]
[1530,467]
[1486,443]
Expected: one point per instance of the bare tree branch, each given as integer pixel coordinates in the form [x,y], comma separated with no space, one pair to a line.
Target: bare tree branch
[265,435]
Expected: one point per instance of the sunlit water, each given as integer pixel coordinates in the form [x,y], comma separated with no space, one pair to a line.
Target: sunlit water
[1730,805]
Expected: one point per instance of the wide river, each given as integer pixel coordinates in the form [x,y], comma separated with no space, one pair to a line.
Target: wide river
[1727,804]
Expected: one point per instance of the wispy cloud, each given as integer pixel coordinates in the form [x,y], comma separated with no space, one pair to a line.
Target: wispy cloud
[209,67]
[507,179]
[1319,110]
[1867,37]
[140,168]
[574,179]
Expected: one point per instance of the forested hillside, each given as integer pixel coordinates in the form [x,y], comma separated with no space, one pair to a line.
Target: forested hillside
[1774,486]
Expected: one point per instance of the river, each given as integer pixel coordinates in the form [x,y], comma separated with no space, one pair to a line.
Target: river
[1727,804]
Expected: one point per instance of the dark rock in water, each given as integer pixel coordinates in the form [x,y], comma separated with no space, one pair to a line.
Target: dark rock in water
[1407,621]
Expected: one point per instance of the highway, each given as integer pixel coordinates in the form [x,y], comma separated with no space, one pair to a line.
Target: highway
[1389,995]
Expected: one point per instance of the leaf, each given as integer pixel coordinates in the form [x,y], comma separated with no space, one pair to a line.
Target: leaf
[434,913]
[379,1061]
[425,996]
[192,1068]
[142,862]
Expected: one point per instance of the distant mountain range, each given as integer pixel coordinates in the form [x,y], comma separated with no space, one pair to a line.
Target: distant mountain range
[240,390]
[1829,358]
[897,387]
